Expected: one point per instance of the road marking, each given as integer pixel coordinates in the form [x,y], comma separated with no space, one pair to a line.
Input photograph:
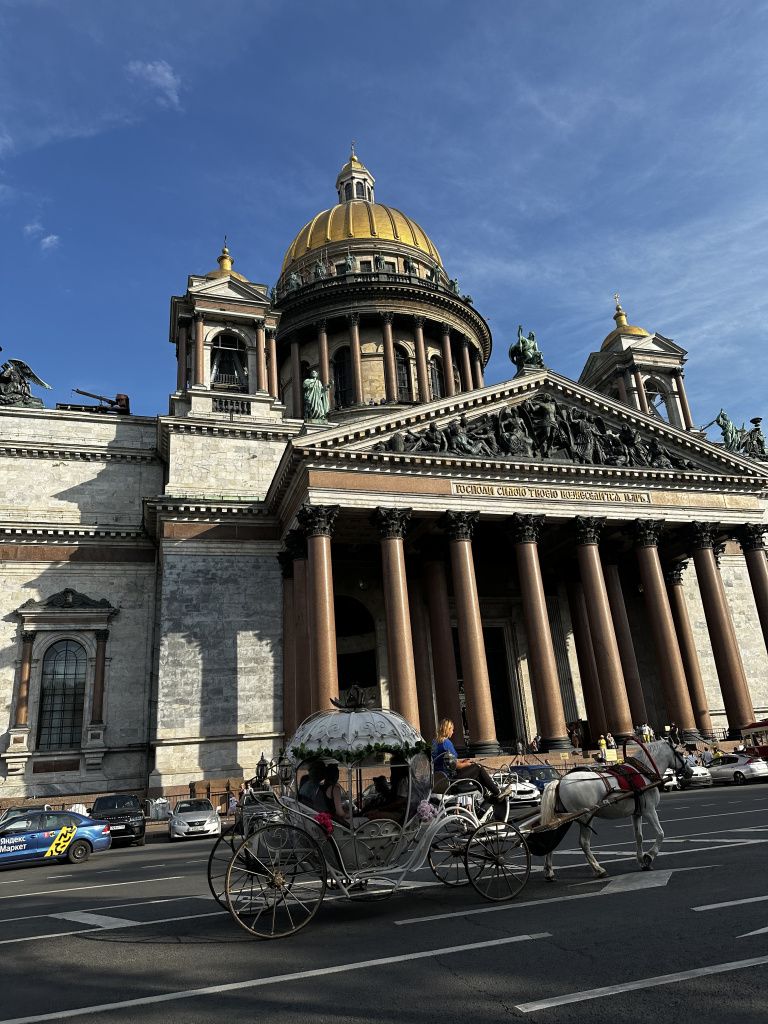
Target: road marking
[757,931]
[648,883]
[629,986]
[127,924]
[99,920]
[114,906]
[274,979]
[731,903]
[151,867]
[103,885]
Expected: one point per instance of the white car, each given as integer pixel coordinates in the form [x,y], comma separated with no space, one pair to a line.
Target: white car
[521,792]
[739,768]
[700,777]
[192,818]
[671,780]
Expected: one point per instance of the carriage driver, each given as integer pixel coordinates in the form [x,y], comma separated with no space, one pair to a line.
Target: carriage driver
[446,760]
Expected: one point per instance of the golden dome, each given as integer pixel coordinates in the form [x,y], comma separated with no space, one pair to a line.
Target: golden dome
[359,220]
[225,262]
[622,327]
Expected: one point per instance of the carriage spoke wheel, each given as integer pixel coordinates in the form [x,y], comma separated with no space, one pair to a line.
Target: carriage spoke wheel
[497,860]
[276,881]
[446,852]
[218,862]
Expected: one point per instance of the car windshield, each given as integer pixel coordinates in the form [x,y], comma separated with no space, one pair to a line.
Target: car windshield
[193,805]
[117,803]
[537,774]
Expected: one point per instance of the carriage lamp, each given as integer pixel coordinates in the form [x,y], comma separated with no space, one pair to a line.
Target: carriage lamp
[262,770]
[284,770]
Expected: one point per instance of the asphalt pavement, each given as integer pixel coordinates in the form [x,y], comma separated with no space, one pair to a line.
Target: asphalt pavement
[135,935]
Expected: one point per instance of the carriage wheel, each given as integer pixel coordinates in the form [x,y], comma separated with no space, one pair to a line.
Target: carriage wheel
[497,860]
[446,853]
[219,860]
[276,881]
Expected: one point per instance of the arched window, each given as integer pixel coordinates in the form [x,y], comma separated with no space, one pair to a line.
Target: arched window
[341,371]
[436,377]
[348,190]
[657,398]
[360,190]
[62,694]
[229,364]
[370,194]
[403,367]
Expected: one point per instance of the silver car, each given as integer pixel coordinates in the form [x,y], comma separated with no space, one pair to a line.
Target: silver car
[738,768]
[193,818]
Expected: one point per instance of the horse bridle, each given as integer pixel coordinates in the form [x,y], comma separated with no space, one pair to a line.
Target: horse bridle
[686,769]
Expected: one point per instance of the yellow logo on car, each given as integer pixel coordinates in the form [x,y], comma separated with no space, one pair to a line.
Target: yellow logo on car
[61,842]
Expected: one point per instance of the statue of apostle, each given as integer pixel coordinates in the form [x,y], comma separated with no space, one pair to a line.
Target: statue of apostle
[317,405]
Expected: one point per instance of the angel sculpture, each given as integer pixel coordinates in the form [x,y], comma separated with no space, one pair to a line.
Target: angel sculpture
[15,378]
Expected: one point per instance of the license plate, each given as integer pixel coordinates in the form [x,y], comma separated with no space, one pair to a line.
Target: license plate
[195,828]
[116,828]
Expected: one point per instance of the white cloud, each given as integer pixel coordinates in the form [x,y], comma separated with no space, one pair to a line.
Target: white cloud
[33,229]
[49,242]
[159,75]
[6,143]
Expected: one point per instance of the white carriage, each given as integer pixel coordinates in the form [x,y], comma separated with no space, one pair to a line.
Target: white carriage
[278,873]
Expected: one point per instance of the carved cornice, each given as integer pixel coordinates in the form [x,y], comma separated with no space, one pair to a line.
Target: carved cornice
[391,522]
[317,520]
[296,543]
[750,536]
[445,328]
[79,454]
[459,525]
[647,532]
[702,535]
[525,529]
[285,558]
[68,600]
[673,574]
[588,529]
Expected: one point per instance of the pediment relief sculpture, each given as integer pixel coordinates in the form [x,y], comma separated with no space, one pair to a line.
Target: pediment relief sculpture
[67,599]
[540,428]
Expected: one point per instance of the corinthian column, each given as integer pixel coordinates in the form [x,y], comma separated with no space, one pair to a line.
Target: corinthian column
[181,357]
[613,688]
[441,636]
[199,351]
[261,356]
[403,696]
[450,386]
[585,653]
[356,357]
[669,660]
[422,374]
[751,539]
[296,543]
[466,365]
[477,688]
[274,384]
[722,635]
[316,521]
[322,350]
[525,532]
[688,652]
[290,722]
[25,672]
[296,382]
[626,646]
[390,368]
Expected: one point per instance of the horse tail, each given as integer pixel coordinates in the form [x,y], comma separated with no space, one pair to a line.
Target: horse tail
[548,803]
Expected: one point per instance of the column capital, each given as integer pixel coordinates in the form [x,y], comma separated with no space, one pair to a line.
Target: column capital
[259,322]
[285,558]
[446,328]
[647,532]
[296,544]
[199,318]
[271,332]
[702,535]
[28,636]
[588,529]
[418,321]
[317,520]
[102,635]
[719,551]
[525,529]
[387,316]
[750,536]
[354,318]
[321,324]
[673,574]
[459,525]
[391,522]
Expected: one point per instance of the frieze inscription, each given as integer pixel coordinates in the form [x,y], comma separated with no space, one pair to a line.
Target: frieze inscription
[550,493]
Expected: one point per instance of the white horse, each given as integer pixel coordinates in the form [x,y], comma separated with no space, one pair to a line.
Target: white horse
[585,789]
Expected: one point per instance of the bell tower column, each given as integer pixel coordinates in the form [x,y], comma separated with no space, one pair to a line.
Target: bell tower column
[199,351]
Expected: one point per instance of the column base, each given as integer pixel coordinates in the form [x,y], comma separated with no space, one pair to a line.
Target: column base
[692,736]
[489,748]
[555,743]
[734,732]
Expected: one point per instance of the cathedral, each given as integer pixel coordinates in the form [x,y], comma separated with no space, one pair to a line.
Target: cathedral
[336,497]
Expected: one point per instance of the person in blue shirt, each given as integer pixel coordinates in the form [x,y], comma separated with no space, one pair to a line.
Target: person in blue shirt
[446,760]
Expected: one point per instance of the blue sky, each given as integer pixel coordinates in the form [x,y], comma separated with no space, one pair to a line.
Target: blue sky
[556,151]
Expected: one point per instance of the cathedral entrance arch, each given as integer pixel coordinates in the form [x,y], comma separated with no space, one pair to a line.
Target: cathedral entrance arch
[356,647]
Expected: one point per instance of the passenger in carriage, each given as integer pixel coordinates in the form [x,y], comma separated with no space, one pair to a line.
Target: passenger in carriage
[311,788]
[340,808]
[394,795]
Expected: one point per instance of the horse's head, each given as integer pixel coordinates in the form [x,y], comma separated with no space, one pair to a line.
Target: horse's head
[678,760]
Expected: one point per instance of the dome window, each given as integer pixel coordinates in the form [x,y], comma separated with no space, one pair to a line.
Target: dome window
[360,190]
[348,191]
[403,368]
[229,365]
[341,370]
[436,377]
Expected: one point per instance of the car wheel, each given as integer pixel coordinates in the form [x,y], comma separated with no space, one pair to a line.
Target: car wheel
[141,841]
[739,779]
[79,852]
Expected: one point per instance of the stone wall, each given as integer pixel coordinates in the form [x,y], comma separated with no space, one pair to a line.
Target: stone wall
[210,465]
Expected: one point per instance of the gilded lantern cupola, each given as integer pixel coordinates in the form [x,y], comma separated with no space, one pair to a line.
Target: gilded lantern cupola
[355,181]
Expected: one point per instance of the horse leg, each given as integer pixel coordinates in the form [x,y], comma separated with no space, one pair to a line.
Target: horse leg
[650,815]
[637,824]
[585,844]
[549,871]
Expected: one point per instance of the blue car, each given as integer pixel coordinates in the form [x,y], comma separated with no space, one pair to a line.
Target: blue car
[51,835]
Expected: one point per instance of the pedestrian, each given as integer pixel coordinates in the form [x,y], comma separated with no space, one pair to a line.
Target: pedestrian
[232,806]
[706,757]
[601,748]
[610,742]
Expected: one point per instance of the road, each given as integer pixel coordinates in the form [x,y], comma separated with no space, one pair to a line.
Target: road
[134,934]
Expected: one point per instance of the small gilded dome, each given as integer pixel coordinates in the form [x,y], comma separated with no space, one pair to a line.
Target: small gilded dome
[225,261]
[622,327]
[359,220]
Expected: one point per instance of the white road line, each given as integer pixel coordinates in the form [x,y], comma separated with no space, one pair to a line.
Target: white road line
[757,931]
[98,920]
[114,906]
[629,986]
[731,903]
[274,979]
[103,885]
[151,867]
[514,905]
[127,924]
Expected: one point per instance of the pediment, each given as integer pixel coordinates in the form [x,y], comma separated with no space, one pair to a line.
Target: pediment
[538,420]
[228,288]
